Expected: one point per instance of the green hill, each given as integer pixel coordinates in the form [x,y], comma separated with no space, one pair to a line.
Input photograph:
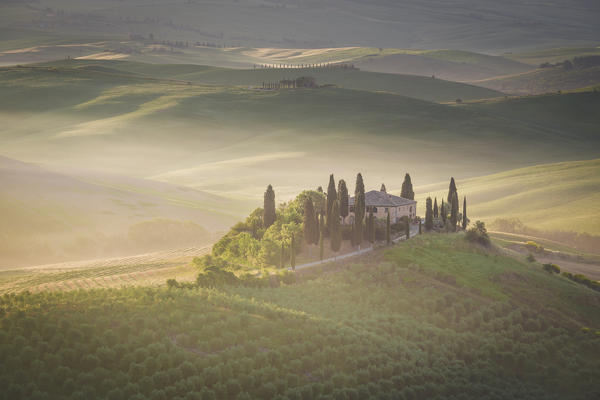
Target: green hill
[558,197]
[418,87]
[431,318]
[231,140]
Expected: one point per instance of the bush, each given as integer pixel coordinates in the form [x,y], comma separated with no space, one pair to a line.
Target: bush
[534,247]
[530,258]
[551,268]
[478,234]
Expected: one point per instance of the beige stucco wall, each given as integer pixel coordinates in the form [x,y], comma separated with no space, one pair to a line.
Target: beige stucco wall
[395,213]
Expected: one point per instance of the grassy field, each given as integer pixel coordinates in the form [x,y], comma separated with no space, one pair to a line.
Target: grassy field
[560,196]
[553,55]
[544,80]
[423,319]
[199,134]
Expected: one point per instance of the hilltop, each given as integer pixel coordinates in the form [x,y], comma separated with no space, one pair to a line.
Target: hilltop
[557,197]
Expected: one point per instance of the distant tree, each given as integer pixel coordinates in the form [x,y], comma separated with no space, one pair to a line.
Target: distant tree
[317,228]
[420,226]
[359,207]
[407,188]
[383,189]
[321,237]
[310,228]
[478,234]
[331,198]
[269,208]
[428,215]
[343,198]
[451,190]
[407,229]
[454,211]
[352,236]
[464,214]
[335,232]
[320,189]
[292,253]
[435,209]
[444,212]
[371,227]
[388,233]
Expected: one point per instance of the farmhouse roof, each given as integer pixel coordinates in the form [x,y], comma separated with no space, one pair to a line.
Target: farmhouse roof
[382,199]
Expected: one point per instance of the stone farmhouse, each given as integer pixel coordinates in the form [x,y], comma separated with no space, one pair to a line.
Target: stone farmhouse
[383,203]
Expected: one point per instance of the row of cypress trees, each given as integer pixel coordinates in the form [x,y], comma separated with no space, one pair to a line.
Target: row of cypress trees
[432,212]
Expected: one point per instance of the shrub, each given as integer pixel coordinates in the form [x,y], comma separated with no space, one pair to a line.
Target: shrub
[534,247]
[551,268]
[530,258]
[478,234]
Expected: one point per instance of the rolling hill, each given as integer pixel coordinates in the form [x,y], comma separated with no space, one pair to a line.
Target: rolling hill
[558,197]
[221,138]
[50,216]
[457,24]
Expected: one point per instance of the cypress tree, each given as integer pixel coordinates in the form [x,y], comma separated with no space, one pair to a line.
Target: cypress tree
[383,189]
[335,233]
[317,228]
[359,208]
[282,256]
[407,229]
[443,212]
[269,207]
[343,198]
[331,198]
[435,209]
[407,188]
[428,215]
[451,190]
[371,227]
[420,226]
[388,231]
[310,230]
[321,229]
[293,254]
[352,236]
[454,211]
[464,216]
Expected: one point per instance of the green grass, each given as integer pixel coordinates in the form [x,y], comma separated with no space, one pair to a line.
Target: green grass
[554,55]
[427,318]
[560,196]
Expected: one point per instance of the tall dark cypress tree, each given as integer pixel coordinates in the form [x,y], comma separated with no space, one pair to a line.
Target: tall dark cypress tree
[464,215]
[321,237]
[371,227]
[269,207]
[318,228]
[335,233]
[343,198]
[388,230]
[443,212]
[359,208]
[428,215]
[383,189]
[407,227]
[451,190]
[310,229]
[407,188]
[331,198]
[435,209]
[454,211]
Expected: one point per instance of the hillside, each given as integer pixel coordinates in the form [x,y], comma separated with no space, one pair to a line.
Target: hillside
[458,24]
[544,80]
[50,216]
[220,138]
[560,196]
[417,87]
[423,319]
